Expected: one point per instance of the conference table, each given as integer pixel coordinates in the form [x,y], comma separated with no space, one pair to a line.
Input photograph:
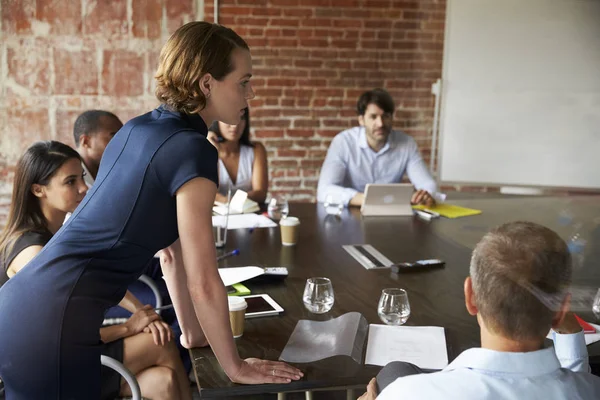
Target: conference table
[436,295]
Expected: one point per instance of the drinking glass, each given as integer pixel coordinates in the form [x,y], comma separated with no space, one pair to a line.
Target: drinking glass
[220,224]
[278,208]
[220,230]
[333,204]
[596,305]
[393,307]
[318,295]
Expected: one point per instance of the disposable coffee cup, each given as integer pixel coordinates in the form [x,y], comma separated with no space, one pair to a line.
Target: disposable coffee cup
[237,315]
[289,231]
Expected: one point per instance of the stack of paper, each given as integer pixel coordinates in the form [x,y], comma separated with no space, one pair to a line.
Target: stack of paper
[243,221]
[239,204]
[424,346]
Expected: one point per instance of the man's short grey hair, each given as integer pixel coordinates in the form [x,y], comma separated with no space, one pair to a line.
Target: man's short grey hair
[512,269]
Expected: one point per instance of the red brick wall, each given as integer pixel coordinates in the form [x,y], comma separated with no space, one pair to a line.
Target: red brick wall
[312,59]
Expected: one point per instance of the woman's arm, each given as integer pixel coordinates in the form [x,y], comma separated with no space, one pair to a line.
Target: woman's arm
[130,302]
[171,263]
[260,175]
[206,290]
[138,322]
[21,260]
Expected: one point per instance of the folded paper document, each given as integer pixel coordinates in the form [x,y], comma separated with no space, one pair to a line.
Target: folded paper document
[239,204]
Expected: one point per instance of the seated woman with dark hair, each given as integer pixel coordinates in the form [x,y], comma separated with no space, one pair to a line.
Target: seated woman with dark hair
[48,184]
[242,164]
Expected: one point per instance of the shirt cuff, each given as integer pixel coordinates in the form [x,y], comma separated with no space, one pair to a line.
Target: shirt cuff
[347,195]
[571,350]
[343,194]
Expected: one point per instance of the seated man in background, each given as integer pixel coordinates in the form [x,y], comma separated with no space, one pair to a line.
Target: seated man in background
[92,131]
[517,288]
[373,153]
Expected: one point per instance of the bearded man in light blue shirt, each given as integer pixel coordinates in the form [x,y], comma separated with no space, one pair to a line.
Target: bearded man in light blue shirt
[519,277]
[373,153]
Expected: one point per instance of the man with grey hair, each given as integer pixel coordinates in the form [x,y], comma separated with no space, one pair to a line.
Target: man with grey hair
[517,289]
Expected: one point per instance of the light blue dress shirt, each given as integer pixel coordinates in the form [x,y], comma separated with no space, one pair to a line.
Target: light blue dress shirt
[561,372]
[351,164]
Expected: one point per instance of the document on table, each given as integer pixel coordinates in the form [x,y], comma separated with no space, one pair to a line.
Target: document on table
[244,221]
[424,346]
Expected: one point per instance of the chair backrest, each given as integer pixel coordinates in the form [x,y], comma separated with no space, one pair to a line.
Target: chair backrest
[125,373]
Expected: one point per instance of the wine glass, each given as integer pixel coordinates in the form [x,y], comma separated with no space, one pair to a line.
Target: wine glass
[318,295]
[333,204]
[278,208]
[393,307]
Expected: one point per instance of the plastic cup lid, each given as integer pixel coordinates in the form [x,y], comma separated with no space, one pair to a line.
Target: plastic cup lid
[237,303]
[289,221]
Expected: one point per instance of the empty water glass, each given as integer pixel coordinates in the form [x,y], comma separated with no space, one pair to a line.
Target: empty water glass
[220,230]
[318,295]
[278,208]
[393,307]
[596,305]
[333,204]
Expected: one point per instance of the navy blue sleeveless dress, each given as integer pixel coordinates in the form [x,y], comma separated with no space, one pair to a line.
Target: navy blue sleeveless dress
[52,310]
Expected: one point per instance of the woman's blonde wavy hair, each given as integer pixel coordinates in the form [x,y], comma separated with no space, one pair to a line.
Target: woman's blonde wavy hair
[195,49]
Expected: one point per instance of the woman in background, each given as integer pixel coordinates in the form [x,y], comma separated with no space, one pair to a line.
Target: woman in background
[48,184]
[242,164]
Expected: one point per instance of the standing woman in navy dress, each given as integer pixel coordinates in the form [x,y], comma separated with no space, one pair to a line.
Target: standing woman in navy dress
[156,183]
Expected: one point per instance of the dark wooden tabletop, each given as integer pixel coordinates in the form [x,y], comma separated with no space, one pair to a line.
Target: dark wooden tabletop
[436,296]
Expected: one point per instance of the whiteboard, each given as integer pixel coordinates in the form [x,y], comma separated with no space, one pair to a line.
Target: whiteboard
[521,93]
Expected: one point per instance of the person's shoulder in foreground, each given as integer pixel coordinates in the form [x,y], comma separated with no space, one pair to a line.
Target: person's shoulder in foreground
[518,289]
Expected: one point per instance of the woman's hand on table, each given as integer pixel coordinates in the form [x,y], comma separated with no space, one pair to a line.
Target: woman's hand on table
[254,371]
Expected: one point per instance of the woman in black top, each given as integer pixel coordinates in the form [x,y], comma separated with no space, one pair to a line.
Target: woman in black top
[48,184]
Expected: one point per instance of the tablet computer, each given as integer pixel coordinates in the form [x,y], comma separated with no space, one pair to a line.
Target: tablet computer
[387,199]
[261,305]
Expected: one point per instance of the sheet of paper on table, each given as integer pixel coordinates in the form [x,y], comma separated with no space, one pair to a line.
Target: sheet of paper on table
[245,221]
[424,346]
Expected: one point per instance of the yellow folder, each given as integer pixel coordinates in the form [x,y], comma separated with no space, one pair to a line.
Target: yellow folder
[450,211]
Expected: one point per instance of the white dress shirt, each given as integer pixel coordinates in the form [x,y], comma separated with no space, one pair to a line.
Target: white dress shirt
[88,178]
[561,372]
[351,164]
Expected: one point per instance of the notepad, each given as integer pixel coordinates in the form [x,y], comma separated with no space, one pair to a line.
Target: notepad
[244,221]
[424,346]
[239,204]
[449,211]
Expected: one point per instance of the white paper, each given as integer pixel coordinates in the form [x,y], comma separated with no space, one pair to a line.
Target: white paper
[236,204]
[589,337]
[424,346]
[229,276]
[245,221]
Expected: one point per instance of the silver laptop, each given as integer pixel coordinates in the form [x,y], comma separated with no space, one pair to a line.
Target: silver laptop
[387,199]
